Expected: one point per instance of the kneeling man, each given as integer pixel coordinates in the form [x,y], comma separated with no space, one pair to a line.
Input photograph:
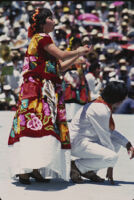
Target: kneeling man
[95,142]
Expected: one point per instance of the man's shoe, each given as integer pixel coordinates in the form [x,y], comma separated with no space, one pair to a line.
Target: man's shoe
[75,174]
[92,176]
[24,179]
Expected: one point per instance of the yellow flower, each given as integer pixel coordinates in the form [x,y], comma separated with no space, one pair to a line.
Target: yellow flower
[33,104]
[39,107]
[18,126]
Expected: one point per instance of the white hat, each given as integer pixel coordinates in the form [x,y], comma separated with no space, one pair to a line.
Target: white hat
[85,39]
[94,32]
[4,38]
[2,61]
[125,10]
[79,6]
[2,20]
[124,38]
[107,69]
[111,6]
[103,4]
[112,74]
[122,60]
[111,13]
[97,46]
[110,50]
[63,43]
[125,17]
[16,25]
[94,12]
[131,71]
[81,29]
[132,83]
[102,57]
[2,97]
[1,10]
[123,68]
[7,87]
[30,8]
[100,35]
[111,19]
[124,23]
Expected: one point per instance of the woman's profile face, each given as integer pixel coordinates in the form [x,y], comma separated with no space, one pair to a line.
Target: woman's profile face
[49,25]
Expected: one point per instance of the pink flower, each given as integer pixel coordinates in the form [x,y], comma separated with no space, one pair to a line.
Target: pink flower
[34,123]
[22,120]
[33,58]
[46,109]
[62,114]
[26,64]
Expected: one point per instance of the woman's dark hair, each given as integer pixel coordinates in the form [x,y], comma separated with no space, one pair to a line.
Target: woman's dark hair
[36,19]
[114,92]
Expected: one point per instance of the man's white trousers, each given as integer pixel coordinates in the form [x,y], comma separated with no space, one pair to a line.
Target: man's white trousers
[93,156]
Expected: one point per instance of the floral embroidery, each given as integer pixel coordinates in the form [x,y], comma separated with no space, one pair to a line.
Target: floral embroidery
[33,104]
[24,103]
[40,117]
[50,67]
[18,126]
[34,123]
[61,114]
[26,64]
[22,120]
[12,133]
[33,58]
[15,124]
[39,107]
[46,109]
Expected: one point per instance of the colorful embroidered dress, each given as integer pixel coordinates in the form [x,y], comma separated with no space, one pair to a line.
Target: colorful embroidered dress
[41,109]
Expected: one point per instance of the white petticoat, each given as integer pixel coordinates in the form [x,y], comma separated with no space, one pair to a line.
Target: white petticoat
[42,153]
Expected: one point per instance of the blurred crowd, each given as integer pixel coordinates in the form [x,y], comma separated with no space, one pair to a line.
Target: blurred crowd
[106,25]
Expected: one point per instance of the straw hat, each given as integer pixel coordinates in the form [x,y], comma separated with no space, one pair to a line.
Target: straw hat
[6,87]
[94,32]
[78,6]
[111,19]
[102,57]
[124,24]
[103,4]
[97,46]
[110,50]
[122,60]
[123,68]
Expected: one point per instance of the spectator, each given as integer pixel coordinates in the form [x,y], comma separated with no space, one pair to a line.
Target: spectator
[127,106]
[93,80]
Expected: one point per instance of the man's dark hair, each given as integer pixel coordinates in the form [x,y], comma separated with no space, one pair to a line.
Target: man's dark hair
[114,92]
[94,66]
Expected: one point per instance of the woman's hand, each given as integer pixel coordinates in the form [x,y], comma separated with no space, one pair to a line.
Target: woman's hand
[84,50]
[109,175]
